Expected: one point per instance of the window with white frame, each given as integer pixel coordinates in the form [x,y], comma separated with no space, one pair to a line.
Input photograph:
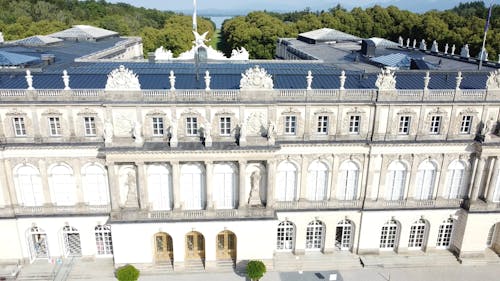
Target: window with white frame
[317,181]
[435,126]
[225,126]
[158,126]
[95,185]
[404,125]
[322,124]
[285,236]
[103,241]
[290,124]
[354,124]
[389,235]
[19,126]
[89,126]
[395,181]
[426,177]
[71,239]
[224,186]
[193,186]
[466,125]
[456,184]
[54,126]
[39,247]
[29,186]
[417,234]
[314,235]
[62,183]
[159,187]
[348,181]
[344,235]
[286,182]
[445,233]
[191,126]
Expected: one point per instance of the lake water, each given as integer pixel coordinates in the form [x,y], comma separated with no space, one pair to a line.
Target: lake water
[218,20]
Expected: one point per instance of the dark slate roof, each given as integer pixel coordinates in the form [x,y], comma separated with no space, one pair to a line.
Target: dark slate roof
[13,59]
[228,75]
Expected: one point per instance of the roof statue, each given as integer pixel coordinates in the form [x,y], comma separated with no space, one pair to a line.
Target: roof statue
[240,54]
[65,78]
[453,50]
[493,82]
[427,79]
[309,80]
[483,55]
[400,41]
[464,53]
[386,80]
[171,78]
[342,79]
[446,47]
[29,79]
[207,80]
[435,47]
[122,79]
[423,45]
[1,37]
[256,78]
[458,80]
[163,54]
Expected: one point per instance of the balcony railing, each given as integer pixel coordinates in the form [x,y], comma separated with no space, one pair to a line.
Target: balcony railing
[412,203]
[317,205]
[60,210]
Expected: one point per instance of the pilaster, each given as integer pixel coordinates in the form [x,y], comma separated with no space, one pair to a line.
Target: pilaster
[176,174]
[143,186]
[209,168]
[441,178]
[271,182]
[303,178]
[478,179]
[114,191]
[44,177]
[493,180]
[410,191]
[242,184]
[334,178]
[80,196]
[8,183]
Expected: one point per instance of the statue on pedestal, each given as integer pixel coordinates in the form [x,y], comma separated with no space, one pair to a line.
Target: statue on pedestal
[131,186]
[254,199]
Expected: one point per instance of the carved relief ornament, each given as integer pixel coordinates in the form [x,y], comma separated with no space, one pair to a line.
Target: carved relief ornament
[122,79]
[493,82]
[256,78]
[386,80]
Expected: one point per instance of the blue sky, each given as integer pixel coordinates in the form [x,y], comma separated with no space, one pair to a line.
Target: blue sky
[288,5]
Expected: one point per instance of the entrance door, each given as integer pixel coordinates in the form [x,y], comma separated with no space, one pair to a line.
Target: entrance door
[72,243]
[195,246]
[38,244]
[164,250]
[226,245]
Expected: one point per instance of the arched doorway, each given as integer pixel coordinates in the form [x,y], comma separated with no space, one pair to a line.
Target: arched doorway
[164,248]
[37,239]
[72,245]
[226,246]
[195,246]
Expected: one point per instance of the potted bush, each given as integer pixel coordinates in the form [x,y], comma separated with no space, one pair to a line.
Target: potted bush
[255,270]
[127,273]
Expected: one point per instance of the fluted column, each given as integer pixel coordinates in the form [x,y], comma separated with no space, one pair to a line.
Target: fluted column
[476,186]
[209,168]
[271,182]
[176,180]
[114,189]
[493,180]
[242,184]
[45,182]
[143,186]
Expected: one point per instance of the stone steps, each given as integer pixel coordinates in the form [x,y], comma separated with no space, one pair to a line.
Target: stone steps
[488,257]
[225,265]
[194,266]
[157,269]
[315,261]
[38,271]
[393,260]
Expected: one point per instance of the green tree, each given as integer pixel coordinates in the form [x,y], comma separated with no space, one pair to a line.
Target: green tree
[255,270]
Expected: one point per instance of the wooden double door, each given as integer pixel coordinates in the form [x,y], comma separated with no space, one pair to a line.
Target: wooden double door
[164,250]
[226,245]
[195,246]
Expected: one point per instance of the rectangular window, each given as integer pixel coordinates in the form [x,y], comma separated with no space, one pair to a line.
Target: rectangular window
[89,123]
[54,126]
[466,126]
[404,125]
[435,125]
[323,124]
[225,126]
[354,124]
[191,126]
[290,125]
[157,126]
[19,127]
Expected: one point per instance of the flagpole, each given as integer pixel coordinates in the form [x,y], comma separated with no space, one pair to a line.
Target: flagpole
[482,52]
[195,24]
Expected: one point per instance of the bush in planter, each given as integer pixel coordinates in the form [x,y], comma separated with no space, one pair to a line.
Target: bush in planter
[127,273]
[255,270]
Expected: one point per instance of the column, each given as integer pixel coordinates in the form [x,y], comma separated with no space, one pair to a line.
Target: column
[476,186]
[9,183]
[493,180]
[410,192]
[271,182]
[364,174]
[242,184]
[441,177]
[209,170]
[143,186]
[303,178]
[334,178]
[373,176]
[80,196]
[114,190]
[176,180]
[45,182]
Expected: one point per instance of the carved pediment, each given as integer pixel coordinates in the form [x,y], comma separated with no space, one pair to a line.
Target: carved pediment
[256,78]
[406,111]
[122,79]
[156,112]
[87,112]
[386,80]
[51,111]
[493,82]
[15,111]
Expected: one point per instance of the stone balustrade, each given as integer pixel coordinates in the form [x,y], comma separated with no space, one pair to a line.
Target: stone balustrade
[412,203]
[314,205]
[59,210]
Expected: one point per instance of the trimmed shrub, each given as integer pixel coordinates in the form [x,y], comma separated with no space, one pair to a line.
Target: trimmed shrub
[127,273]
[255,270]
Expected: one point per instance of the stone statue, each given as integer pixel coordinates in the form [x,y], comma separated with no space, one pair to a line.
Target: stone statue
[172,80]
[242,141]
[464,53]
[254,199]
[414,43]
[453,50]
[131,186]
[446,47]
[256,78]
[386,80]
[208,134]
[137,132]
[1,37]
[271,134]
[173,134]
[435,47]
[108,132]
[122,79]
[29,79]
[65,78]
[309,80]
[408,43]
[207,80]
[423,45]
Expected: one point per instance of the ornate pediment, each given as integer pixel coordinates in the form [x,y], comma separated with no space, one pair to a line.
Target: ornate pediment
[15,112]
[493,82]
[51,111]
[155,112]
[386,80]
[406,111]
[256,78]
[122,79]
[87,111]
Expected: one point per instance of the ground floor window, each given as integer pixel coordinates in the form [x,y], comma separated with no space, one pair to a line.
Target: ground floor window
[285,236]
[37,240]
[103,240]
[417,235]
[444,234]
[71,238]
[388,235]
[314,235]
[343,235]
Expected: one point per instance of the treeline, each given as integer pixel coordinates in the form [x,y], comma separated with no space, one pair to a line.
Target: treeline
[464,24]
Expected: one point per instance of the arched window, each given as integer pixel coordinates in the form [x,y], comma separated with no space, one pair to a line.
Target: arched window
[29,186]
[286,183]
[496,194]
[103,241]
[285,236]
[389,235]
[315,235]
[344,235]
[395,181]
[37,241]
[426,177]
[456,180]
[192,187]
[159,187]
[418,233]
[445,233]
[95,185]
[317,181]
[62,185]
[348,181]
[224,186]
[72,245]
